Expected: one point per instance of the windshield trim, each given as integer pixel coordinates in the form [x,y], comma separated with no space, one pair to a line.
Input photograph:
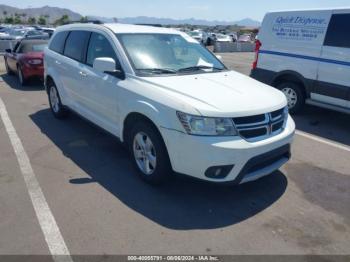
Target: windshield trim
[143,74]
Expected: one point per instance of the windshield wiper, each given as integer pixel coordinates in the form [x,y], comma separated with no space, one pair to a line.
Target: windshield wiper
[199,67]
[159,70]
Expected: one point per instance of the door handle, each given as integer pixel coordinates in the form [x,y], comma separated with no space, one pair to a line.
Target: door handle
[83,73]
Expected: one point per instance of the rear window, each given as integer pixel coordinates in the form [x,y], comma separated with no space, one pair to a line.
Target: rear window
[75,47]
[338,31]
[57,43]
[32,47]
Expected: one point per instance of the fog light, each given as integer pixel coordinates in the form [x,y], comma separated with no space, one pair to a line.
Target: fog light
[218,172]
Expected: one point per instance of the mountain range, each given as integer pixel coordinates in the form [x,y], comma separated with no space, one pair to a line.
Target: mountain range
[169,21]
[53,13]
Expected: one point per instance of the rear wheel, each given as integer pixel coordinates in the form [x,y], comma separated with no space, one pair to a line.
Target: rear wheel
[56,106]
[21,78]
[150,156]
[8,70]
[294,94]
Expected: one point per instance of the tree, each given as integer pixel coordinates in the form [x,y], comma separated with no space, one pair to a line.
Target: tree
[42,20]
[31,20]
[62,21]
[84,19]
[9,20]
[47,17]
[5,13]
[17,19]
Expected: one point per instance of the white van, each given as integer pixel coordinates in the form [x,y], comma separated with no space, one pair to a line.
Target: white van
[306,54]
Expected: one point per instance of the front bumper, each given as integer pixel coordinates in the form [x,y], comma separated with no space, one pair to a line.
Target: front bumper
[193,155]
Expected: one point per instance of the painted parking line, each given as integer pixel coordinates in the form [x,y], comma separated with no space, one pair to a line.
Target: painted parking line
[323,140]
[49,227]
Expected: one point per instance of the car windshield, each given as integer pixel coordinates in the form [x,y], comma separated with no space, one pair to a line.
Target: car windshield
[168,54]
[17,32]
[34,32]
[222,36]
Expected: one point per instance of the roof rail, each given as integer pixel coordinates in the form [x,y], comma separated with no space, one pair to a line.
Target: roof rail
[154,25]
[97,22]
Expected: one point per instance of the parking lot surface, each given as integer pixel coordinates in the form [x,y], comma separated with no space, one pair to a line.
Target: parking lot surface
[101,207]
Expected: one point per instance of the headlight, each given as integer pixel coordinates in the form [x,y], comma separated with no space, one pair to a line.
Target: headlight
[207,126]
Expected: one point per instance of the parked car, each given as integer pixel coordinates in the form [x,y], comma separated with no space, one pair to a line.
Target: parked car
[4,31]
[18,34]
[245,38]
[200,36]
[170,101]
[47,30]
[306,54]
[211,38]
[26,59]
[234,36]
[223,38]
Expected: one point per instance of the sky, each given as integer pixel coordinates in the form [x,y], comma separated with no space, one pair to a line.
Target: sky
[223,10]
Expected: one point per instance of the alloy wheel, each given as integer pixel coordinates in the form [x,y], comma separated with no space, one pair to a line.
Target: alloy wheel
[54,100]
[144,153]
[291,95]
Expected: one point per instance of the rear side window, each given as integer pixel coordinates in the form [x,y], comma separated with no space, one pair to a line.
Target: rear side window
[57,43]
[76,45]
[99,46]
[338,31]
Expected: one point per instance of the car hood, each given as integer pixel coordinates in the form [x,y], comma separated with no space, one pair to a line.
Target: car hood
[226,94]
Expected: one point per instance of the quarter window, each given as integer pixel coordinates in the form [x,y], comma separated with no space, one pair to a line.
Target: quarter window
[99,46]
[76,45]
[338,31]
[57,43]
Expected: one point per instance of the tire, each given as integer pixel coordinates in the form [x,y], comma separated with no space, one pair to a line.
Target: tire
[57,109]
[295,96]
[21,78]
[8,70]
[149,153]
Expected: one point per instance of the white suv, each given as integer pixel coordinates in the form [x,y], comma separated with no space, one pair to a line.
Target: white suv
[170,100]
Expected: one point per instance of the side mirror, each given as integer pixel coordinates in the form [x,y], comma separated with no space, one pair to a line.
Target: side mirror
[8,50]
[107,65]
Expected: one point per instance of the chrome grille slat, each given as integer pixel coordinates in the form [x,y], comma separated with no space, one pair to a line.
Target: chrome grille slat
[273,124]
[266,121]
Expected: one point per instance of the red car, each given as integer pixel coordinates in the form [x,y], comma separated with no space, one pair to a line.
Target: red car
[26,59]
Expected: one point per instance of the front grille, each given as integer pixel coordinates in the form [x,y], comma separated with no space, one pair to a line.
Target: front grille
[259,127]
[255,132]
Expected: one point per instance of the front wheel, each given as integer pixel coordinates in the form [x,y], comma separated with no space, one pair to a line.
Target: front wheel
[149,153]
[56,106]
[295,96]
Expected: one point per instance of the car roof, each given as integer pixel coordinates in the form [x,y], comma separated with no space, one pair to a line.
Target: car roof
[345,9]
[121,28]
